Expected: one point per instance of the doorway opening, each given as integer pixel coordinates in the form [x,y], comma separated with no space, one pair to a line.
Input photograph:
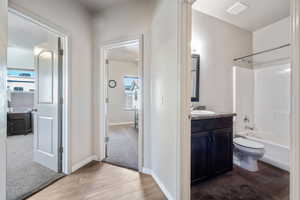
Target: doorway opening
[35,110]
[244,52]
[124,105]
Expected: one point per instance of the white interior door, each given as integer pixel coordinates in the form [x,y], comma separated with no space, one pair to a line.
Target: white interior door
[3,99]
[46,110]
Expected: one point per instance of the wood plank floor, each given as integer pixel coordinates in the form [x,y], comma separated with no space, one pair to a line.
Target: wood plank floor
[269,183]
[102,181]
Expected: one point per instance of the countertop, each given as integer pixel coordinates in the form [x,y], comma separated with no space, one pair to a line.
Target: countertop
[215,116]
[19,110]
[15,112]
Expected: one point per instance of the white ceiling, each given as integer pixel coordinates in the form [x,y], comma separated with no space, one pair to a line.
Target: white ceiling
[24,34]
[259,14]
[128,53]
[98,5]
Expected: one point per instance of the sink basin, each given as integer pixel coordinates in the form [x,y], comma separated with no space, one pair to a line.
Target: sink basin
[202,113]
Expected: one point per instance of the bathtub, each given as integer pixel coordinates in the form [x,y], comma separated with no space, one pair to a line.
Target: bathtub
[277,152]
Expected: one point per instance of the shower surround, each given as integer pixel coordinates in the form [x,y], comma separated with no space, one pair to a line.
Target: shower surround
[262,102]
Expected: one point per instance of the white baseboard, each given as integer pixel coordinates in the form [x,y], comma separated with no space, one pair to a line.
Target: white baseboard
[159,183]
[121,123]
[147,171]
[276,163]
[83,163]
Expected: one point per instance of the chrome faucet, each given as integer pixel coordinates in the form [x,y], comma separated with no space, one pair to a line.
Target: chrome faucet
[251,128]
[246,119]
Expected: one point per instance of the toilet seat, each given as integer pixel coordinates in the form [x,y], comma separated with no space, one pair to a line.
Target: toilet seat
[248,143]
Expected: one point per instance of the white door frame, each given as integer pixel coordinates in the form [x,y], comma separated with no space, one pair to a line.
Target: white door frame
[3,99]
[103,93]
[295,108]
[65,36]
[183,172]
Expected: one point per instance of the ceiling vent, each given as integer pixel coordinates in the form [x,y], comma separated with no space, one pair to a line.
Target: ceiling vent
[237,8]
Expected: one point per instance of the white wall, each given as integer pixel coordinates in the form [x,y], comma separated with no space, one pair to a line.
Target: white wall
[272,36]
[164,95]
[77,21]
[115,23]
[116,108]
[218,43]
[20,58]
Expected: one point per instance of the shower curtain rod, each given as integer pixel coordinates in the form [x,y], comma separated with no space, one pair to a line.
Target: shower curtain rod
[261,52]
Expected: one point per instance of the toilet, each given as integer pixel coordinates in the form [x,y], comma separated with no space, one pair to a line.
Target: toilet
[247,152]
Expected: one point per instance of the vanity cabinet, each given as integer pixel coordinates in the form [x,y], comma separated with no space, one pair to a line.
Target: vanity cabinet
[201,156]
[211,148]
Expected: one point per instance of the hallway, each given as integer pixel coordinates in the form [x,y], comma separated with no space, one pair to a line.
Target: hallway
[102,181]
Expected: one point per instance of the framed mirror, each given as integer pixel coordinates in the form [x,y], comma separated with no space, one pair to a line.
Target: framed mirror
[195,77]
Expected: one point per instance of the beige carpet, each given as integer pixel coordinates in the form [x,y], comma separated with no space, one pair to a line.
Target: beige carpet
[122,148]
[24,175]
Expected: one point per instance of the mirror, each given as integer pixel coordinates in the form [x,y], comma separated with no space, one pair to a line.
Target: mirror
[195,77]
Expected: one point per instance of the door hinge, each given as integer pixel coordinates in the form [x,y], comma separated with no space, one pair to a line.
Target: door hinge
[61,100]
[61,149]
[107,61]
[61,52]
[106,139]
[107,100]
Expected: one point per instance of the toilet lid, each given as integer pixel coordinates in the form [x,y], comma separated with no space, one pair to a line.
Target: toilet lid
[248,143]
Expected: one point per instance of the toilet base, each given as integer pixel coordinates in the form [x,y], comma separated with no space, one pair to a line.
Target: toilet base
[246,163]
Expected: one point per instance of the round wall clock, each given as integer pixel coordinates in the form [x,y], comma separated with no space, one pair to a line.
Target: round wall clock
[112,83]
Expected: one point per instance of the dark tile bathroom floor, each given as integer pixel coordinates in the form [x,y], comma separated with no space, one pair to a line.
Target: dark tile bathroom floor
[269,183]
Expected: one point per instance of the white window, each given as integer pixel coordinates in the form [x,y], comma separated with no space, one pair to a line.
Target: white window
[131,92]
[20,80]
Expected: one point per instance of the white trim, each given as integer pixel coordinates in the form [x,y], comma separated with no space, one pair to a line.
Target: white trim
[66,41]
[276,163]
[3,102]
[295,108]
[83,163]
[147,171]
[183,168]
[123,60]
[162,186]
[158,182]
[103,93]
[121,123]
[37,19]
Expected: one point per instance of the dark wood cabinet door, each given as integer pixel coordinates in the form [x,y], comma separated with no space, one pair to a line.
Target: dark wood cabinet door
[200,156]
[222,150]
[18,124]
